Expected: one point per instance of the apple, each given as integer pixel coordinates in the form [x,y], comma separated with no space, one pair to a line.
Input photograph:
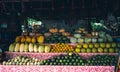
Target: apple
[108,45]
[77,50]
[105,50]
[118,45]
[94,50]
[96,45]
[100,50]
[85,45]
[102,45]
[90,45]
[79,46]
[116,50]
[83,50]
[114,45]
[88,50]
[111,50]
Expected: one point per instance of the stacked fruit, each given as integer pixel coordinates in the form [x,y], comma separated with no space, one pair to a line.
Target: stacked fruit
[97,48]
[75,59]
[104,60]
[28,39]
[21,60]
[61,47]
[69,59]
[57,38]
[29,47]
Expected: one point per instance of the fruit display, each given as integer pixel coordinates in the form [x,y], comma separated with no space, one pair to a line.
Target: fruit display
[61,47]
[29,39]
[68,59]
[105,60]
[21,60]
[97,48]
[57,38]
[29,47]
[76,60]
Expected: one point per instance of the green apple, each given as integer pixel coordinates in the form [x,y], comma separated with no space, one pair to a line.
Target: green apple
[90,45]
[79,46]
[85,45]
[100,50]
[102,45]
[83,50]
[111,50]
[105,50]
[114,45]
[94,50]
[88,50]
[77,50]
[108,45]
[118,45]
[96,45]
[116,50]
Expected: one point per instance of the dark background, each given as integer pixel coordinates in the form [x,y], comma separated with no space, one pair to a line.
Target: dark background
[60,9]
[15,12]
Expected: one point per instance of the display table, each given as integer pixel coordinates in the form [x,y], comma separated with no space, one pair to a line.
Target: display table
[10,68]
[42,56]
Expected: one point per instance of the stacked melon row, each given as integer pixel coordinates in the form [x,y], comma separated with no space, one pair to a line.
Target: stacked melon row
[63,48]
[29,47]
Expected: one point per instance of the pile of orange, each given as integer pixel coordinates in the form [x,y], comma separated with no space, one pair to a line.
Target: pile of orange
[61,47]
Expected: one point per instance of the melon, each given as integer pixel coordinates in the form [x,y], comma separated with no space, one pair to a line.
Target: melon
[73,40]
[22,47]
[80,40]
[11,47]
[26,47]
[94,40]
[17,47]
[31,47]
[41,49]
[35,48]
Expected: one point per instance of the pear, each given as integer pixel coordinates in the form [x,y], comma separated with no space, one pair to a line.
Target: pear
[26,47]
[31,48]
[22,46]
[35,48]
[11,47]
[17,47]
[41,49]
[47,48]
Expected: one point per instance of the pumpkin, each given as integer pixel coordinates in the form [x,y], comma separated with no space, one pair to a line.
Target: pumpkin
[62,30]
[53,30]
[40,39]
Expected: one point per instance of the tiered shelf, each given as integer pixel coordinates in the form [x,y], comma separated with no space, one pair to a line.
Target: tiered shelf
[42,56]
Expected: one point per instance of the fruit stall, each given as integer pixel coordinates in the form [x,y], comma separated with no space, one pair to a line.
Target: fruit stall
[58,50]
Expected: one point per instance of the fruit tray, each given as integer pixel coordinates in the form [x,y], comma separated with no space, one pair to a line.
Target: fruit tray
[43,56]
[11,68]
